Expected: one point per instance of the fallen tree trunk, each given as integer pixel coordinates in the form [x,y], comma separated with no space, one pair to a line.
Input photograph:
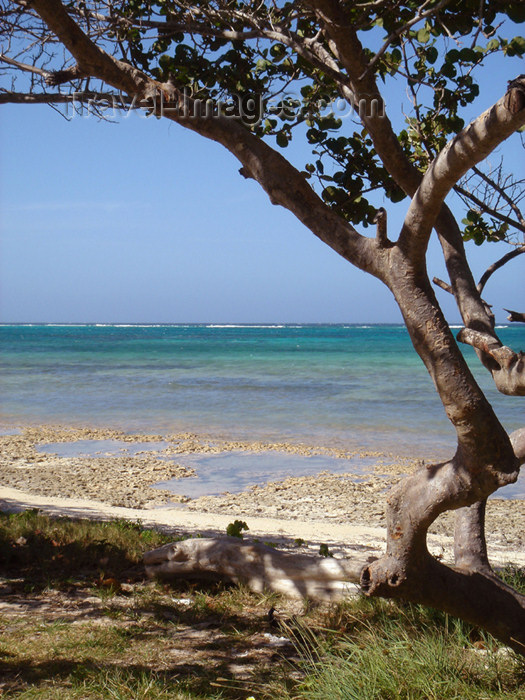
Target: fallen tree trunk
[258,566]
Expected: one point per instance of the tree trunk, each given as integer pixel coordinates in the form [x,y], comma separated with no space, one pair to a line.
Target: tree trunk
[474,596]
[485,460]
[258,566]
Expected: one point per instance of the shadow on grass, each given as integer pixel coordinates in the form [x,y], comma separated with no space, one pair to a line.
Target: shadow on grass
[103,680]
[54,552]
[201,660]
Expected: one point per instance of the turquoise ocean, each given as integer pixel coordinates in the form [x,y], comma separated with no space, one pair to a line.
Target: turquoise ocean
[355,386]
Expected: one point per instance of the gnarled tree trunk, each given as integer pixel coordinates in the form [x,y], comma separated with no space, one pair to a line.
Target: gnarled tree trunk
[258,566]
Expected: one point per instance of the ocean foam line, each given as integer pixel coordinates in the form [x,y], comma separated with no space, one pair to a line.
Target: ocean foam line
[242,325]
[462,326]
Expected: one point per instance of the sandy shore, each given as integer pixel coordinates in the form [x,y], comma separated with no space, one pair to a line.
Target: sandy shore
[340,510]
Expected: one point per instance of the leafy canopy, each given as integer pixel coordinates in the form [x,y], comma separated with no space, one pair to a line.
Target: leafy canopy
[436,61]
[272,61]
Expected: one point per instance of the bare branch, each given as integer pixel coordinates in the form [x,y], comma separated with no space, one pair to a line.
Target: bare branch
[484,206]
[502,192]
[24,66]
[515,316]
[443,285]
[499,263]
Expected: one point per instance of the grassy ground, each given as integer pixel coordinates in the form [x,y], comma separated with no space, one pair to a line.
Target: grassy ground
[78,619]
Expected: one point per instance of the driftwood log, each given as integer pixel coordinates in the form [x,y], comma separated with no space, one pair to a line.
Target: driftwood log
[258,566]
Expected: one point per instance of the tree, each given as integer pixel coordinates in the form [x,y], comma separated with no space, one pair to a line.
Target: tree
[226,70]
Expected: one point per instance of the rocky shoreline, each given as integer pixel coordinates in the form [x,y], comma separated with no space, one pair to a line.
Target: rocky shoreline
[126,480]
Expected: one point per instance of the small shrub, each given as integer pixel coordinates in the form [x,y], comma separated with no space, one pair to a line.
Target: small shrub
[324,551]
[235,529]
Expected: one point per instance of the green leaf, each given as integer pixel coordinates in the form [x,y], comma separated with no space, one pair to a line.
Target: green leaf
[448,70]
[516,46]
[278,51]
[396,56]
[282,139]
[516,12]
[423,35]
[468,55]
[432,54]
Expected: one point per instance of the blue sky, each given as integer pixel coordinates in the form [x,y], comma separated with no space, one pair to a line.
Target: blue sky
[142,221]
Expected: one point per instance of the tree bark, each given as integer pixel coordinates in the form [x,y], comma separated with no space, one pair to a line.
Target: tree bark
[515,316]
[470,545]
[477,597]
[256,565]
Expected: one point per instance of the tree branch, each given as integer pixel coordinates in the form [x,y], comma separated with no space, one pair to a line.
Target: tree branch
[440,283]
[496,266]
[283,183]
[508,368]
[502,193]
[363,84]
[516,316]
[24,66]
[469,147]
[101,99]
[484,206]
[398,32]
[91,60]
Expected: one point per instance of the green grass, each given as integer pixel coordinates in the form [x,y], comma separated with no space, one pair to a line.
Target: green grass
[51,552]
[93,627]
[385,650]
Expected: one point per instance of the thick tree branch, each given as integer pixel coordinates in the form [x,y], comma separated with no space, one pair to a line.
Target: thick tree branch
[470,545]
[477,597]
[474,312]
[516,316]
[470,146]
[508,368]
[258,566]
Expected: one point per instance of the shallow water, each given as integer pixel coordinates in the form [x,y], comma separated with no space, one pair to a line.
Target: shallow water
[236,471]
[218,473]
[361,387]
[233,472]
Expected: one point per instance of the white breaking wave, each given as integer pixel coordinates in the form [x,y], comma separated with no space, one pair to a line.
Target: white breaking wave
[242,325]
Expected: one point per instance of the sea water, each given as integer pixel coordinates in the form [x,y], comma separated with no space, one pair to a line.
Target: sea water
[359,387]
